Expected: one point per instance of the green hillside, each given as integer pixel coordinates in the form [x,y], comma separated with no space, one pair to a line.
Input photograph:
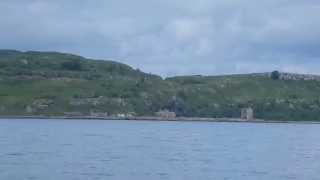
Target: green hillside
[224,96]
[50,83]
[36,83]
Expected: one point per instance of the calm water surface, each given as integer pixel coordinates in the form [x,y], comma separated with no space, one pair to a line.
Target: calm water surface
[140,150]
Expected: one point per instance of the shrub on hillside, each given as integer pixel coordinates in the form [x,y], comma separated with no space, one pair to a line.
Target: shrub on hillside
[73,65]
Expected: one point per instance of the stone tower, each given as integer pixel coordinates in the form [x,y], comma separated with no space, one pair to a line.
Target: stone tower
[247,114]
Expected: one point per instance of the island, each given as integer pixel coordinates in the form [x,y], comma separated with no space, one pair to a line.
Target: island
[61,85]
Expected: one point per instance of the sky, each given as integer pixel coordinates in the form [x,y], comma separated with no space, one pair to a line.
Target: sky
[172,37]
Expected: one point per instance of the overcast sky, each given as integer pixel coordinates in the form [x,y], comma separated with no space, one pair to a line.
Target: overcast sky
[172,37]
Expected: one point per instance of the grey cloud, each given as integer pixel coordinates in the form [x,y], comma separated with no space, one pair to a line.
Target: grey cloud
[172,37]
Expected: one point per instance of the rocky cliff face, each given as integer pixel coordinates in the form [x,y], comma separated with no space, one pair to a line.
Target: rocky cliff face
[305,77]
[292,76]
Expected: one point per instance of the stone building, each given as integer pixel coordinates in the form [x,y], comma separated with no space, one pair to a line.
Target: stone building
[73,114]
[166,114]
[247,114]
[99,114]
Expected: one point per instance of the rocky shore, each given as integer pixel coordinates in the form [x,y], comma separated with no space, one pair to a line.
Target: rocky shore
[155,119]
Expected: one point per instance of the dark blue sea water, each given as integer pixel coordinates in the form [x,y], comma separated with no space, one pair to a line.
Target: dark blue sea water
[140,150]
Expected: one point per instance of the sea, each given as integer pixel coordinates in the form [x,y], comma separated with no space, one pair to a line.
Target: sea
[145,150]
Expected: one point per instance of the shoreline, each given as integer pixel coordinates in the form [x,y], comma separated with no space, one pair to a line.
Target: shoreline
[157,119]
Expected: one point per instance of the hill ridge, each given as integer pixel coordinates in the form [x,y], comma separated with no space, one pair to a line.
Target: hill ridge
[51,84]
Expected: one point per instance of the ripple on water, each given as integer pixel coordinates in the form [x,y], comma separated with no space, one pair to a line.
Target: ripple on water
[176,160]
[116,157]
[99,174]
[66,144]
[105,160]
[15,154]
[206,161]
[162,174]
[138,146]
[93,135]
[39,153]
[197,150]
[256,172]
[168,140]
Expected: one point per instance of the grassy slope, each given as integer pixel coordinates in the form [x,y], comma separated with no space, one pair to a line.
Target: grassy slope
[271,99]
[35,79]
[34,83]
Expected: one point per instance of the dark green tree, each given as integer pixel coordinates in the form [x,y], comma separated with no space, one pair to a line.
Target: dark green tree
[73,65]
[275,75]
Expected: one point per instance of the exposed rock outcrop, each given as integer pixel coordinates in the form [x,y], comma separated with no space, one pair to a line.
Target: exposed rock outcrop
[291,76]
